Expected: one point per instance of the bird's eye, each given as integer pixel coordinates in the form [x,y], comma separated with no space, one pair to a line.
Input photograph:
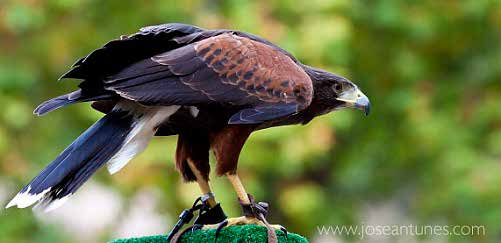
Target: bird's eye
[338,87]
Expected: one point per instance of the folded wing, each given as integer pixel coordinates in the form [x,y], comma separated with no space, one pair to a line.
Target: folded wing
[177,64]
[226,69]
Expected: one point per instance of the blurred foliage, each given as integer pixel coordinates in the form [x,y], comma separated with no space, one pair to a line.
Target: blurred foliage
[432,70]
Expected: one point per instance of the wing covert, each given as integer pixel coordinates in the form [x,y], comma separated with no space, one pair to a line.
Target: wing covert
[257,68]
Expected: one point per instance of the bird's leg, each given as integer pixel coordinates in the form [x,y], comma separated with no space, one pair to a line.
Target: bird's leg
[203,184]
[209,211]
[243,197]
[254,213]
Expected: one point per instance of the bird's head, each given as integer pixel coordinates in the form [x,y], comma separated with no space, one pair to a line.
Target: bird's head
[333,92]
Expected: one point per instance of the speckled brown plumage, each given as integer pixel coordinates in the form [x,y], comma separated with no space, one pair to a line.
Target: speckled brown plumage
[256,68]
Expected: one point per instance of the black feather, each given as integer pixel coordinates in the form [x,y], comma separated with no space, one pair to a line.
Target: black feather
[82,158]
[68,99]
[118,54]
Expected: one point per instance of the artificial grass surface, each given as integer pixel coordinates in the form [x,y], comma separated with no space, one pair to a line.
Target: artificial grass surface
[244,233]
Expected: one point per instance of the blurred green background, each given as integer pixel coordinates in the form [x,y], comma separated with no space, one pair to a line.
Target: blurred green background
[430,152]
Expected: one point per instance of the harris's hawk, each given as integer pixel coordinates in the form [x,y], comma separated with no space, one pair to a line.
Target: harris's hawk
[212,88]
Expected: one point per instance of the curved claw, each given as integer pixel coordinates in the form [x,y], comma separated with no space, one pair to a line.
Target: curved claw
[184,218]
[219,228]
[284,230]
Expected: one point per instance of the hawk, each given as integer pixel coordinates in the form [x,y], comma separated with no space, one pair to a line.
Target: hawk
[212,88]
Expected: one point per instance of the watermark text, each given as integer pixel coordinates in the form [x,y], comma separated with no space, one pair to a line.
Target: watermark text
[363,231]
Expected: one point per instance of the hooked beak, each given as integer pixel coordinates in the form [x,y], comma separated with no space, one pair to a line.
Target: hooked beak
[356,99]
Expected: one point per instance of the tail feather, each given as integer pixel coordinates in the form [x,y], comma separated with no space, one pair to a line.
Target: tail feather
[101,143]
[77,162]
[67,99]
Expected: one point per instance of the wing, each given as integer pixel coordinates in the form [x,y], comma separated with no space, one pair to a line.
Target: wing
[119,53]
[227,69]
[115,56]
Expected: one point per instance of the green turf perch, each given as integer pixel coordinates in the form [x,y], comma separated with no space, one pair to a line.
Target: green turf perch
[245,233]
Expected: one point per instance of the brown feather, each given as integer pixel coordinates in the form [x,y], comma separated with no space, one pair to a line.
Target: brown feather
[259,69]
[227,144]
[196,149]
